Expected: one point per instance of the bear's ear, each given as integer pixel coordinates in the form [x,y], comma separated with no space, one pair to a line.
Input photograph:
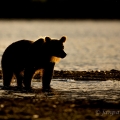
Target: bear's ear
[47,39]
[63,39]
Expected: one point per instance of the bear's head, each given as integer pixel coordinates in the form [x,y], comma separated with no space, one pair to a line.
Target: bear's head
[56,47]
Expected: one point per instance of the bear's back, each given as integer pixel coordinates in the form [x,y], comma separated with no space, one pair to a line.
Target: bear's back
[16,51]
[18,48]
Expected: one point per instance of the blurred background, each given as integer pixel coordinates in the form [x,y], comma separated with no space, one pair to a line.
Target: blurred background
[81,9]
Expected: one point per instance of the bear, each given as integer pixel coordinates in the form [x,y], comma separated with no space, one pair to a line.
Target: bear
[22,58]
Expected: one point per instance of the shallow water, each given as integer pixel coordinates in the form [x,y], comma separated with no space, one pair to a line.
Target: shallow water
[70,90]
[91,45]
[105,90]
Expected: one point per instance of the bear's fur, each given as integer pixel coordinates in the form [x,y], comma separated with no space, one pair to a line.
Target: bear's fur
[24,57]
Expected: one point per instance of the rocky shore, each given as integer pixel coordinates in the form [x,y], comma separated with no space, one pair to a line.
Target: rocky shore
[56,109]
[54,105]
[82,75]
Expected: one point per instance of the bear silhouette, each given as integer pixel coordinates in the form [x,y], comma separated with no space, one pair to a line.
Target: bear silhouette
[22,58]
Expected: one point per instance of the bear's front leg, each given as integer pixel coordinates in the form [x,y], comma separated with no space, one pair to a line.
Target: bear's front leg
[47,75]
[28,74]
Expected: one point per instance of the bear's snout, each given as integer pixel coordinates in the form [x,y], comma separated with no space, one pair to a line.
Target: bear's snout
[63,55]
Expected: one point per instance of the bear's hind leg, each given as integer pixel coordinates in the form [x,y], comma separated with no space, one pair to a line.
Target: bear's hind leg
[7,77]
[28,74]
[19,78]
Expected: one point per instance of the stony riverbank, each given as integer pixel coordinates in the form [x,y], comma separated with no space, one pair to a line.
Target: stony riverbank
[34,108]
[72,103]
[82,75]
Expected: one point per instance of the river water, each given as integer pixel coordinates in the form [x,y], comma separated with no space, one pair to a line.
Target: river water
[90,45]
